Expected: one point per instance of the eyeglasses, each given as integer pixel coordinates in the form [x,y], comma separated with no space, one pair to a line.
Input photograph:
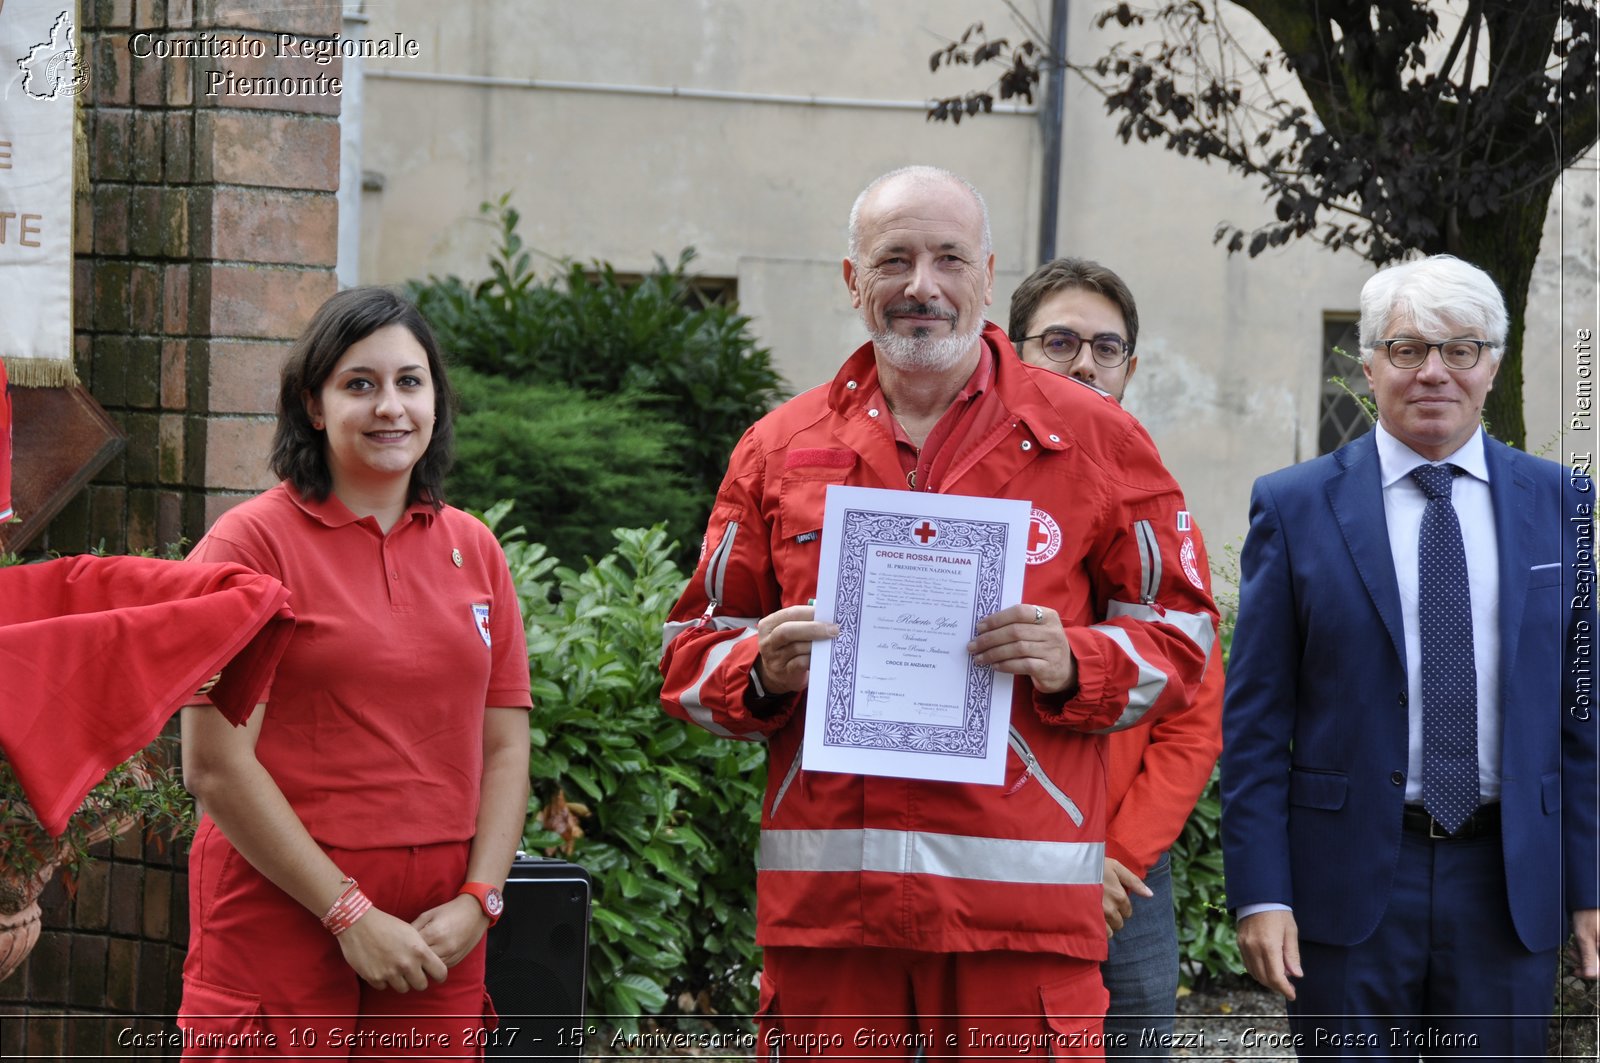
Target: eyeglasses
[1405,353]
[1063,345]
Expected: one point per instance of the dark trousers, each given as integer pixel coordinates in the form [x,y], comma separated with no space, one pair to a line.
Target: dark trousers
[1444,976]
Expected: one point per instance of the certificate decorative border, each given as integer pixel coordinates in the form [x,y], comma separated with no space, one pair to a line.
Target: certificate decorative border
[861,529]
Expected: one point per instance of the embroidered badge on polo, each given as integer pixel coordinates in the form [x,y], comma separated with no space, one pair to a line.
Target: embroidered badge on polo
[1183,520]
[1189,558]
[480,619]
[1044,537]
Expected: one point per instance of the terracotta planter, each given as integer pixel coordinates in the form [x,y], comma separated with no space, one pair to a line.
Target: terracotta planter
[19,897]
[19,918]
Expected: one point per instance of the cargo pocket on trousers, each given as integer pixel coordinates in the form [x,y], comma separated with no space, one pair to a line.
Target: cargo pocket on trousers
[226,1018]
[1074,1012]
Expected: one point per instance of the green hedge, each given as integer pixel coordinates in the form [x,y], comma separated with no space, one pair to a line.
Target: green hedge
[571,462]
[698,368]
[673,823]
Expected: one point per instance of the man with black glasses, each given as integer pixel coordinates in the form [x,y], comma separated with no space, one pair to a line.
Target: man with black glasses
[1409,762]
[1078,318]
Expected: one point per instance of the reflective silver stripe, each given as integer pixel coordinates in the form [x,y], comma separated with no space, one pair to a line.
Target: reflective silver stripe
[783,788]
[1037,863]
[1149,560]
[1144,557]
[1151,681]
[671,631]
[1196,626]
[717,567]
[1036,769]
[690,699]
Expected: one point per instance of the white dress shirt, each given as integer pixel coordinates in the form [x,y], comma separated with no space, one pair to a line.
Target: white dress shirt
[1403,503]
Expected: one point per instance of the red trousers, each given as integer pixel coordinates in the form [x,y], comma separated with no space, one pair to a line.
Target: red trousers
[867,1003]
[263,978]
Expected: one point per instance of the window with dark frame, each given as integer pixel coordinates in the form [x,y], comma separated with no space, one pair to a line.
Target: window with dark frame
[1340,414]
[701,292]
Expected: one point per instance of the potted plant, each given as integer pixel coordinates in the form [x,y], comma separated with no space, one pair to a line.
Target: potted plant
[145,793]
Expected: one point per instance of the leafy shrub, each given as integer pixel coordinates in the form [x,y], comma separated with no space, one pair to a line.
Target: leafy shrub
[673,811]
[1207,946]
[698,367]
[574,464]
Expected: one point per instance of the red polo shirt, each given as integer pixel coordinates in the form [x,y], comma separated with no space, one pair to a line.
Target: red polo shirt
[374,722]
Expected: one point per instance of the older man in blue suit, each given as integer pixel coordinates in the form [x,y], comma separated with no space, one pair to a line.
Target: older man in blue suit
[1409,768]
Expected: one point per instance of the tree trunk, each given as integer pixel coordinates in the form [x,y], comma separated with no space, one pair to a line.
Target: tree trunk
[1506,245]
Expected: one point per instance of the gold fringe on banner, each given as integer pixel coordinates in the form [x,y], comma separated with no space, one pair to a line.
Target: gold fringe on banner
[42,372]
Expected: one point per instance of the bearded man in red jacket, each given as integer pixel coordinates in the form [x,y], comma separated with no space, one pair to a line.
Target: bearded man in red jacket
[905,916]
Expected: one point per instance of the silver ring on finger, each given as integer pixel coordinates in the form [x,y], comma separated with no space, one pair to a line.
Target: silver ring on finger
[1038,615]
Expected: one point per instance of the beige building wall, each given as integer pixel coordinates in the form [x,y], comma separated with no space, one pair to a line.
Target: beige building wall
[783,112]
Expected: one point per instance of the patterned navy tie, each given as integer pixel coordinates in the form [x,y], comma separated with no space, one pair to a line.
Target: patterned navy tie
[1449,672]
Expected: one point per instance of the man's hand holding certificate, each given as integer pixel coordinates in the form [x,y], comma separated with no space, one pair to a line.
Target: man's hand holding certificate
[915,584]
[1027,640]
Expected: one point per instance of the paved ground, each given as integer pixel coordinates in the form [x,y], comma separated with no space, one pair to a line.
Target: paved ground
[1232,1022]
[1240,1021]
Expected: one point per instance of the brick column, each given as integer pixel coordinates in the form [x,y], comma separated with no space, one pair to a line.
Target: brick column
[206,236]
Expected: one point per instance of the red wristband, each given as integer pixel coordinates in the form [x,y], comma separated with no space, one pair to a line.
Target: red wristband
[351,905]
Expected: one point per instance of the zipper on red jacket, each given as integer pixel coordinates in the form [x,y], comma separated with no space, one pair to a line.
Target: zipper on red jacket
[1032,767]
[788,778]
[1149,561]
[717,570]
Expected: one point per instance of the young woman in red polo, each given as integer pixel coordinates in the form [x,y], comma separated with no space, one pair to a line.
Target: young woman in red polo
[357,829]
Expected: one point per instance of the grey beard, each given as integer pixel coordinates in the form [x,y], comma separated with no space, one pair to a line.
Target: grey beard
[925,353]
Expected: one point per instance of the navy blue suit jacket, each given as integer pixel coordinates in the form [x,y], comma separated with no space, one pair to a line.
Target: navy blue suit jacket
[1314,718]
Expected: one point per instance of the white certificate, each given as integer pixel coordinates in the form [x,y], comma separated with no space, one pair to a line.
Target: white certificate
[907,577]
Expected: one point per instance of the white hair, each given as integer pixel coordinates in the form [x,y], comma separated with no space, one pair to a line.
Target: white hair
[1437,295]
[917,173]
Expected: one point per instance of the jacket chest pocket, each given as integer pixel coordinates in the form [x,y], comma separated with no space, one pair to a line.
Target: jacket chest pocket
[802,494]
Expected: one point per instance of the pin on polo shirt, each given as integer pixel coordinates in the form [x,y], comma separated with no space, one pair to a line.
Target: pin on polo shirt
[455,555]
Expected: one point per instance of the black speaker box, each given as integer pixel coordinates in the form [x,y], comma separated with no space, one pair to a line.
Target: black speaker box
[538,958]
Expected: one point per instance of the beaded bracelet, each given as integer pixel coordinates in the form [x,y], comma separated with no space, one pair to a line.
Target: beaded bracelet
[351,905]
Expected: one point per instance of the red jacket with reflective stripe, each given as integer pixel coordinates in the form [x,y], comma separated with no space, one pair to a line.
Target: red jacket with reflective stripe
[850,860]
